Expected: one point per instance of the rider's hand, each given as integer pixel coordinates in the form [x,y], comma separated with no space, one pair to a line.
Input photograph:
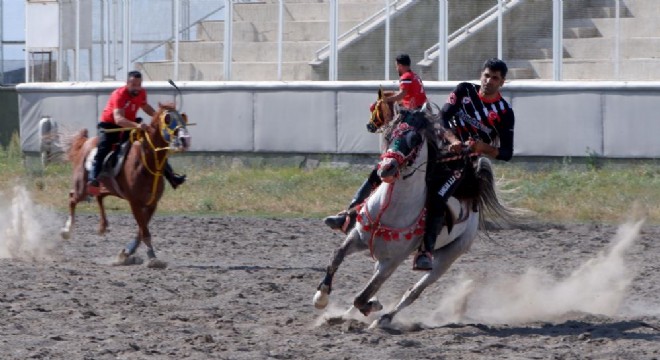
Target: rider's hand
[456,147]
[477,146]
[142,126]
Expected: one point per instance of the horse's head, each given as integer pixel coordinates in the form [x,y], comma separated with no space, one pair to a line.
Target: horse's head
[382,112]
[171,125]
[404,148]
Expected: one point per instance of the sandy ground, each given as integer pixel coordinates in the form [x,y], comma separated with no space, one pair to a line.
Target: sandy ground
[241,288]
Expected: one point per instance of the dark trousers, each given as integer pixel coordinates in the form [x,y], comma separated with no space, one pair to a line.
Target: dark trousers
[106,142]
[443,181]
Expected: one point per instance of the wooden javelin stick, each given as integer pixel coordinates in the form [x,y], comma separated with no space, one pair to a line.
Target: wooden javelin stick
[129,129]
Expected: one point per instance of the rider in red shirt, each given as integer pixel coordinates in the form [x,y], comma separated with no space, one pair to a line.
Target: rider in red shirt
[120,112]
[411,89]
[412,96]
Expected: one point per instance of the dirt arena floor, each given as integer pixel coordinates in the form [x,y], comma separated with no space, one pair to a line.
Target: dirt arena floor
[242,288]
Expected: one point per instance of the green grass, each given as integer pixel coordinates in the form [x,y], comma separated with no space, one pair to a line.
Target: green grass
[559,192]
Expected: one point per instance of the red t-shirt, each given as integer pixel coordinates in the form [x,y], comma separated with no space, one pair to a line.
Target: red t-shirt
[122,99]
[415,96]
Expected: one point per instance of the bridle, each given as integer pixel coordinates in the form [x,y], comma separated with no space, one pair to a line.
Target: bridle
[168,134]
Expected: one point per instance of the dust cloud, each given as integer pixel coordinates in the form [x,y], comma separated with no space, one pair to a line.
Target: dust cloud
[27,230]
[598,286]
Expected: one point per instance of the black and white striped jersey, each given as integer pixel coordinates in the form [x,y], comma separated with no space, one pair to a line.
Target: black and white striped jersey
[470,116]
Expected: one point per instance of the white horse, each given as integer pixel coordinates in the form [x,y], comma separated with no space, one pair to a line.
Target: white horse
[391,224]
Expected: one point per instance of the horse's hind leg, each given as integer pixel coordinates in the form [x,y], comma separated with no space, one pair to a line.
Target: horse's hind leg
[351,245]
[443,258]
[76,195]
[103,225]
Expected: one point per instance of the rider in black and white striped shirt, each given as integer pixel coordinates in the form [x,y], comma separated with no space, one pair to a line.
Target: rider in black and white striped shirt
[477,116]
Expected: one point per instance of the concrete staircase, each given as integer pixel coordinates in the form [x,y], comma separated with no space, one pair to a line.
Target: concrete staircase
[254,47]
[589,44]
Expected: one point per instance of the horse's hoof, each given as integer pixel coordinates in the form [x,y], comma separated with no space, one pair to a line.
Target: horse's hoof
[124,259]
[321,297]
[156,264]
[66,235]
[382,322]
[375,305]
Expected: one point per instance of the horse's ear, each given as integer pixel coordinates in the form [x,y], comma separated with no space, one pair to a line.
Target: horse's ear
[380,93]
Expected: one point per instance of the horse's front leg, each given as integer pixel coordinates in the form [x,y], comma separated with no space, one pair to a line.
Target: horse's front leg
[126,255]
[443,258]
[351,245]
[365,301]
[146,238]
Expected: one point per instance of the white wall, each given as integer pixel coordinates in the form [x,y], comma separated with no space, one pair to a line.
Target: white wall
[612,119]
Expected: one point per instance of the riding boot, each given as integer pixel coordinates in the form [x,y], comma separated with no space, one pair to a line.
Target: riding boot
[345,220]
[424,258]
[173,178]
[93,186]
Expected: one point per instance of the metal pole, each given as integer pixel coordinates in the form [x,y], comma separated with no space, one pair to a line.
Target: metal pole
[27,45]
[280,38]
[557,46]
[185,22]
[125,38]
[332,65]
[76,67]
[226,58]
[112,34]
[443,29]
[617,41]
[499,29]
[2,46]
[177,26]
[387,39]
[103,42]
[60,49]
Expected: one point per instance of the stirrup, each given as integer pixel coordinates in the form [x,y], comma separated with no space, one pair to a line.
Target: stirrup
[423,261]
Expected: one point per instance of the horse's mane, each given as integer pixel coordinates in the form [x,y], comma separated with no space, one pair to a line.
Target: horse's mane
[429,131]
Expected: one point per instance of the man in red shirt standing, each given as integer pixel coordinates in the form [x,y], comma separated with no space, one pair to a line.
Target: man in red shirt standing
[120,112]
[412,97]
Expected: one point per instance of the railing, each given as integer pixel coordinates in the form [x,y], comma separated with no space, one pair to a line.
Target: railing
[365,26]
[467,30]
[147,52]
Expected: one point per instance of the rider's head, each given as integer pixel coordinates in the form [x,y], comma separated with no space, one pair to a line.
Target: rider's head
[134,82]
[493,75]
[403,63]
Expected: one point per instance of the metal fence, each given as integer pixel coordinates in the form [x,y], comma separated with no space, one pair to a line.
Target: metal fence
[289,40]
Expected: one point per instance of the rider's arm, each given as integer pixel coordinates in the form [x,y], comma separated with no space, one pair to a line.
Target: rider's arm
[505,133]
[396,97]
[122,121]
[148,109]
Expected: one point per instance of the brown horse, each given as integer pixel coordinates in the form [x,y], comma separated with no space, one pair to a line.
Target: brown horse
[139,180]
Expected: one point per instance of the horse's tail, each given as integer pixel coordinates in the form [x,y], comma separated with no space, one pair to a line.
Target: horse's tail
[73,144]
[491,208]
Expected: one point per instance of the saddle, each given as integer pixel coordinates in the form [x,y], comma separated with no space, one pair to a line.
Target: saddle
[112,163]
